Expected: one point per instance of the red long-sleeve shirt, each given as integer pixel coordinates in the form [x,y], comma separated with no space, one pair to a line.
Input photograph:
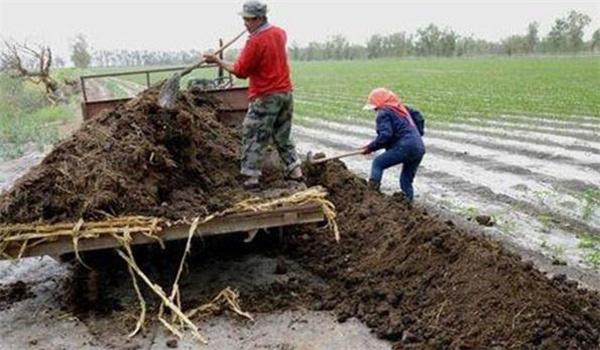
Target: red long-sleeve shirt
[264,61]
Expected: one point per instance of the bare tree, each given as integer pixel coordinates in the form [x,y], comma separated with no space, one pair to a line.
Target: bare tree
[23,61]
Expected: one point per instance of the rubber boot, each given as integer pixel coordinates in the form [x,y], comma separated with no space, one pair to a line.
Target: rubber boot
[296,175]
[374,185]
[401,197]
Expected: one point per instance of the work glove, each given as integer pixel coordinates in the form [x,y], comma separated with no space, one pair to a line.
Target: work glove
[366,149]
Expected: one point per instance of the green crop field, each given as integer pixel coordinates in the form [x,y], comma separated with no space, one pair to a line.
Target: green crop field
[443,89]
[449,88]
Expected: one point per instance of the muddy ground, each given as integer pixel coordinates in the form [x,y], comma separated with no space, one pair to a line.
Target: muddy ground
[415,278]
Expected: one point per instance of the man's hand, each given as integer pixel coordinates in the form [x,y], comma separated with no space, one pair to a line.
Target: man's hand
[365,149]
[211,58]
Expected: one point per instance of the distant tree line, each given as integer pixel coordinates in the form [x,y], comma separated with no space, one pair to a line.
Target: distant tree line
[108,58]
[82,56]
[565,36]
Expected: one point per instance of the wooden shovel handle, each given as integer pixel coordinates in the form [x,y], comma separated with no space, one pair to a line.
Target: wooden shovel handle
[343,155]
[221,49]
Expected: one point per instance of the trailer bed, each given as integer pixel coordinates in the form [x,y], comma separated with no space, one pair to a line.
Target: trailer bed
[237,222]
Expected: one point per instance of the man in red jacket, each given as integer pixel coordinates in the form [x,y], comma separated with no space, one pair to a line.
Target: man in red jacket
[264,61]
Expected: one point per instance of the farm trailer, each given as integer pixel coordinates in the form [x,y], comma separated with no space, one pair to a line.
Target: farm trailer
[232,109]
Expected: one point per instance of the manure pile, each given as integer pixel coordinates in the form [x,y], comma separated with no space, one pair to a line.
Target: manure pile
[138,159]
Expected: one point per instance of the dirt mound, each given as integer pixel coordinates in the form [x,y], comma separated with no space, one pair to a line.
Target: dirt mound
[422,282]
[136,159]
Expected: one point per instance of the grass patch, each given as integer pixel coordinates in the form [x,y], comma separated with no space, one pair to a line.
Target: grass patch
[26,118]
[21,131]
[116,89]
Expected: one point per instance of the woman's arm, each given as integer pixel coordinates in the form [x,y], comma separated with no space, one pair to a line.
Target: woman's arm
[384,132]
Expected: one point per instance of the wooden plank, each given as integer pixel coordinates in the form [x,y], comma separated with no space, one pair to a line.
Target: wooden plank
[241,222]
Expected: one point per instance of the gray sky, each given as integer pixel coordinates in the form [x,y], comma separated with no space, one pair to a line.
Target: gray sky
[183,25]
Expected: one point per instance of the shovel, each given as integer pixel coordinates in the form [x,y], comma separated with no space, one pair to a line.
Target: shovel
[170,89]
[311,159]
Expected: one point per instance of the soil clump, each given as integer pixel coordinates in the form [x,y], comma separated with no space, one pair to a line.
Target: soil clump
[13,293]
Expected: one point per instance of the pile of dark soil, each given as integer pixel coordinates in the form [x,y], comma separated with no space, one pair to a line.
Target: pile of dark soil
[138,159]
[422,282]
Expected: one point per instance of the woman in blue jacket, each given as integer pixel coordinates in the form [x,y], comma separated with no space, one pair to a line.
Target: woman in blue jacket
[399,135]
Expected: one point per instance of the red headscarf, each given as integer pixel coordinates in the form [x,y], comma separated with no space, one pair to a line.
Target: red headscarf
[384,98]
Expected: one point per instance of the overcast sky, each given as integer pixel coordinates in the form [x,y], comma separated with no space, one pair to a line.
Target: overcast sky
[184,25]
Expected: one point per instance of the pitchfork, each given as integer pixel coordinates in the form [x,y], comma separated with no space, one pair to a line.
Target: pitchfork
[169,90]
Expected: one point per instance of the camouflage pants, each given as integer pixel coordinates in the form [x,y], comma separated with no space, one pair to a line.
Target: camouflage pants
[269,118]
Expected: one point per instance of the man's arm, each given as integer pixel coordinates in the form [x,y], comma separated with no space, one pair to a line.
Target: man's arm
[227,65]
